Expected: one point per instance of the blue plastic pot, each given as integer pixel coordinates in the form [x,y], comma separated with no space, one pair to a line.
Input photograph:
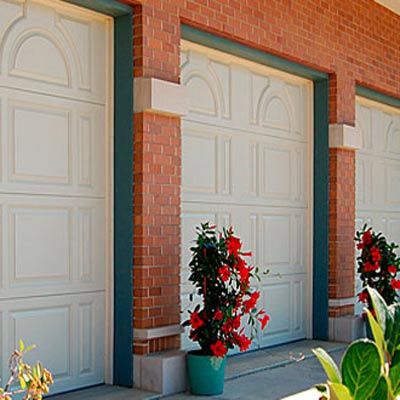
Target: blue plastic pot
[206,374]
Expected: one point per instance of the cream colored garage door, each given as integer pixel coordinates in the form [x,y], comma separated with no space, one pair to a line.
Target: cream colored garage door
[53,131]
[247,162]
[378,170]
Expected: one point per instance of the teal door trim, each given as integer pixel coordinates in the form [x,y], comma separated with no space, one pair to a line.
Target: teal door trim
[321,158]
[123,184]
[377,96]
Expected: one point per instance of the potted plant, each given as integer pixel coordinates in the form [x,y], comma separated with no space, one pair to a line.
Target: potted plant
[378,265]
[221,277]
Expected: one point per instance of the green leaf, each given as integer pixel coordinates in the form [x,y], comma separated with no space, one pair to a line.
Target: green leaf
[361,368]
[380,307]
[378,335]
[330,367]
[22,383]
[392,333]
[339,392]
[381,391]
[21,346]
[395,374]
[30,348]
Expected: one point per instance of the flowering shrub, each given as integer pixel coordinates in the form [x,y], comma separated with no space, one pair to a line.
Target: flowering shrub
[222,277]
[34,381]
[378,265]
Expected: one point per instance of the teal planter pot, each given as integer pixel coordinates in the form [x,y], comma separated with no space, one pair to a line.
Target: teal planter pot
[206,374]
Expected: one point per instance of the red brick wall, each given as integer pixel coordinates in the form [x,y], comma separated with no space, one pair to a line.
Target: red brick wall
[341,226]
[355,41]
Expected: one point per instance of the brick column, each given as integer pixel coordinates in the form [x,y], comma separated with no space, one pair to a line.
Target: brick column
[156,230]
[157,178]
[159,103]
[344,140]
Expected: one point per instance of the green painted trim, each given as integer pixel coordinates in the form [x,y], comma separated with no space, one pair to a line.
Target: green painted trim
[377,96]
[123,184]
[321,159]
[258,56]
[108,7]
[123,201]
[321,210]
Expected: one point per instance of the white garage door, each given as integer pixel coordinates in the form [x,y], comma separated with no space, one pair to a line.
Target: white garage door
[54,127]
[247,161]
[378,170]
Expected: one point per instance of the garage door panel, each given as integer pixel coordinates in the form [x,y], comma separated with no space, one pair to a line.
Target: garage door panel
[284,298]
[254,160]
[210,154]
[51,145]
[69,49]
[68,332]
[55,94]
[246,162]
[268,105]
[378,171]
[51,245]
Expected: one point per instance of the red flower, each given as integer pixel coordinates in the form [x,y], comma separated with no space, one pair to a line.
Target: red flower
[395,284]
[368,267]
[251,303]
[218,315]
[244,271]
[367,238]
[360,246]
[195,321]
[243,342]
[375,254]
[363,297]
[247,254]
[264,321]
[236,322]
[233,245]
[392,269]
[218,349]
[227,327]
[224,272]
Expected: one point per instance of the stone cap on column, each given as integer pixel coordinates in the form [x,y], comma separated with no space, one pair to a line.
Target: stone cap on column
[159,96]
[344,136]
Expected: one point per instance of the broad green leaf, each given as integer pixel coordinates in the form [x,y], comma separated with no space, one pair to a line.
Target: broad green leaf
[380,307]
[395,374]
[361,368]
[378,336]
[330,367]
[392,333]
[381,391]
[339,392]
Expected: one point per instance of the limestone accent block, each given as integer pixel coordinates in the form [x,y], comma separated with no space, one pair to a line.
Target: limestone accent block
[163,373]
[344,136]
[346,329]
[159,96]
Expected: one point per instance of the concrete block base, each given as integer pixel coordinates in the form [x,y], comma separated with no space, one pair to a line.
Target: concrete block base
[163,373]
[346,329]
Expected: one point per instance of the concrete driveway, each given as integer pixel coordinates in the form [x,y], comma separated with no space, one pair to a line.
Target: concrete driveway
[285,372]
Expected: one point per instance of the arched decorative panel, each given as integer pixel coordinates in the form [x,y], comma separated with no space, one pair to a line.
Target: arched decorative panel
[69,51]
